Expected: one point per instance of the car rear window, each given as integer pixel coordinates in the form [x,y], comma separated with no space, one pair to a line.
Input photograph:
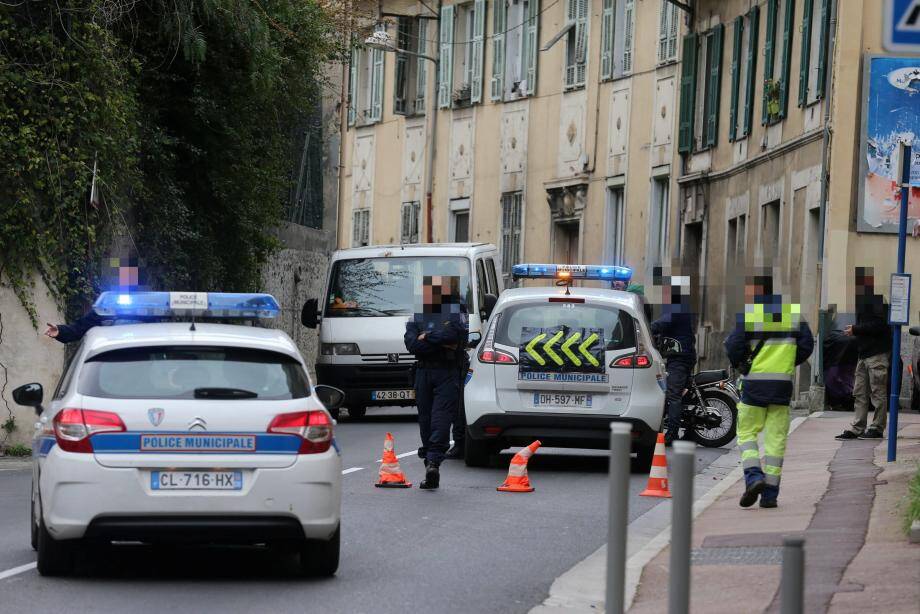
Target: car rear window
[618,326]
[177,372]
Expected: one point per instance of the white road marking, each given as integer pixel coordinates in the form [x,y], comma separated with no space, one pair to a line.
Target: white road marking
[351,470]
[9,573]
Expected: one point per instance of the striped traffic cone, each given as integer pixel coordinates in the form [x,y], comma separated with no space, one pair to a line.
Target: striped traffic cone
[517,480]
[658,476]
[391,476]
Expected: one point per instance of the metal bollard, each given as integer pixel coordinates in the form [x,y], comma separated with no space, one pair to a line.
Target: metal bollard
[792,584]
[618,516]
[682,461]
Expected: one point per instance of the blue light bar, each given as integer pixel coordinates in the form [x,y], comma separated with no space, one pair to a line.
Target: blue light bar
[173,304]
[590,272]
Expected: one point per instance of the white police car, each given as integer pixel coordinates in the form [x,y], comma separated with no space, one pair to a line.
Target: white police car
[185,432]
[560,363]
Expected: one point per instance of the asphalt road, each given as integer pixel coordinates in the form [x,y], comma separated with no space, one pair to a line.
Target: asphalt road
[464,548]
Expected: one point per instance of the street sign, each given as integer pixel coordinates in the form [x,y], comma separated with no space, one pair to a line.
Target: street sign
[900,299]
[902,25]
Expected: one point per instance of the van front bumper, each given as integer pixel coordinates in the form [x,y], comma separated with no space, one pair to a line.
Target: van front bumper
[359,382]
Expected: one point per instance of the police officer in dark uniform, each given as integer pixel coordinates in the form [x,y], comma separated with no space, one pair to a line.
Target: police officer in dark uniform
[676,323]
[438,338]
[69,333]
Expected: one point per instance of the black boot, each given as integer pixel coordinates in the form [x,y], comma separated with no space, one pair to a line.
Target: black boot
[432,478]
[455,452]
[751,493]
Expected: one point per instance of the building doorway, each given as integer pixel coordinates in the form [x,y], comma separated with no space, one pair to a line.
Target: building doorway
[565,242]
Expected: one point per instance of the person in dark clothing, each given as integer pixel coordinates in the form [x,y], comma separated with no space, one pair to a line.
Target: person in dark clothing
[677,324]
[69,333]
[458,428]
[873,343]
[437,337]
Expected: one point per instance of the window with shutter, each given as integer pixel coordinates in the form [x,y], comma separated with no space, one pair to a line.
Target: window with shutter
[512,205]
[814,51]
[714,87]
[607,40]
[687,105]
[786,56]
[361,227]
[353,86]
[628,28]
[446,59]
[499,11]
[821,69]
[576,43]
[668,27]
[751,69]
[476,48]
[375,112]
[770,91]
[531,46]
[410,222]
[401,96]
[805,55]
[737,36]
[421,67]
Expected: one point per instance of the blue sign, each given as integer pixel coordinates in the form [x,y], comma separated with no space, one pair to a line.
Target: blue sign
[902,25]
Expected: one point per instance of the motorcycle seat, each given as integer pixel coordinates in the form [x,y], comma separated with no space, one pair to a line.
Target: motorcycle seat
[702,378]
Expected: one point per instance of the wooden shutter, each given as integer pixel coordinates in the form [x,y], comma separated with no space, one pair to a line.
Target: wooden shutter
[673,31]
[353,86]
[687,94]
[789,19]
[607,22]
[376,110]
[754,25]
[421,67]
[822,52]
[737,37]
[714,87]
[496,85]
[531,46]
[629,12]
[401,82]
[446,59]
[806,52]
[476,57]
[581,41]
[664,19]
[768,44]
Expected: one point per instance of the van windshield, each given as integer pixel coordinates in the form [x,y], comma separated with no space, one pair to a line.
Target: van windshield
[381,287]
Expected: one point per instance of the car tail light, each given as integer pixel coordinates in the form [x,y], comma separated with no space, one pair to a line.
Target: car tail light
[74,427]
[313,427]
[492,430]
[633,361]
[497,357]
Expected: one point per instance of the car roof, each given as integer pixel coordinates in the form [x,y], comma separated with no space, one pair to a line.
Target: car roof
[413,249]
[118,336]
[616,298]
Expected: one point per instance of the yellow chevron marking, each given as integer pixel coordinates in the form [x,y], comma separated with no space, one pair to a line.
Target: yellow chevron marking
[532,352]
[583,348]
[548,348]
[565,349]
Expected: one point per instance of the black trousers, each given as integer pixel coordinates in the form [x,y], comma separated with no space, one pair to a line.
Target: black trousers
[437,396]
[679,369]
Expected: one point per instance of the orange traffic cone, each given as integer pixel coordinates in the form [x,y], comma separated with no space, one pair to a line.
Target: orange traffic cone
[391,476]
[658,476]
[517,480]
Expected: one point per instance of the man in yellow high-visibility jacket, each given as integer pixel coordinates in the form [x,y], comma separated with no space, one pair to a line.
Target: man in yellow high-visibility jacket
[770,340]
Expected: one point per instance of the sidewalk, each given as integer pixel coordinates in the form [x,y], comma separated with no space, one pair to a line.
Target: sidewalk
[843,497]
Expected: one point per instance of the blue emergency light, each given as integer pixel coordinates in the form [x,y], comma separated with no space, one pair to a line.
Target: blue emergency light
[175,304]
[564,272]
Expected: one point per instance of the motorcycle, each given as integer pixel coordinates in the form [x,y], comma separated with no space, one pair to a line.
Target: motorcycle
[710,403]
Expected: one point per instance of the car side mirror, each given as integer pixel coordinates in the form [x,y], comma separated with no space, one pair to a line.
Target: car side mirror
[473,340]
[30,395]
[488,302]
[330,396]
[309,315]
[914,330]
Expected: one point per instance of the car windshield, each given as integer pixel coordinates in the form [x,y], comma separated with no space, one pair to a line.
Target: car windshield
[380,287]
[193,372]
[618,326]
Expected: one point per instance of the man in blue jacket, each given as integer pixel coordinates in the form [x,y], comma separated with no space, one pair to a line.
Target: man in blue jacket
[438,338]
[770,340]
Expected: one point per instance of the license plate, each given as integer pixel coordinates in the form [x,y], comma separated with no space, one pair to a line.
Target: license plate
[393,395]
[196,480]
[561,399]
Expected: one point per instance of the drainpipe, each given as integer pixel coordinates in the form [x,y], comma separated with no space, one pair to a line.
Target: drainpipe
[825,179]
[432,130]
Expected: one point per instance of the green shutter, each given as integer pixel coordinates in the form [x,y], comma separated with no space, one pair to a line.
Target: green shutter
[687,94]
[714,88]
[787,56]
[446,57]
[754,25]
[607,40]
[737,36]
[822,52]
[476,57]
[531,46]
[806,52]
[498,50]
[768,43]
[421,67]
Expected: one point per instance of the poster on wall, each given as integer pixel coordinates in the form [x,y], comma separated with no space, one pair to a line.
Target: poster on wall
[891,113]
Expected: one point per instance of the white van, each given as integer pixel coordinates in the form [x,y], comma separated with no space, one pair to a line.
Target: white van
[371,292]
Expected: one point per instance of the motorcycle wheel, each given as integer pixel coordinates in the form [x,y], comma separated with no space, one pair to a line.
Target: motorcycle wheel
[725,432]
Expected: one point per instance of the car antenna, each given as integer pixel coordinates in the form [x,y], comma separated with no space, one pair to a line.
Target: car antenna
[192,327]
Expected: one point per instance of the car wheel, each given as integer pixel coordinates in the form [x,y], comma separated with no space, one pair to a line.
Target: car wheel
[477,452]
[643,461]
[356,413]
[55,557]
[33,528]
[320,558]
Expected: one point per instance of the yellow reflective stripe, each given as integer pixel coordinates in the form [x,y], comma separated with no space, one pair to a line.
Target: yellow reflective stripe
[746,454]
[771,470]
[568,352]
[583,348]
[530,349]
[548,348]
